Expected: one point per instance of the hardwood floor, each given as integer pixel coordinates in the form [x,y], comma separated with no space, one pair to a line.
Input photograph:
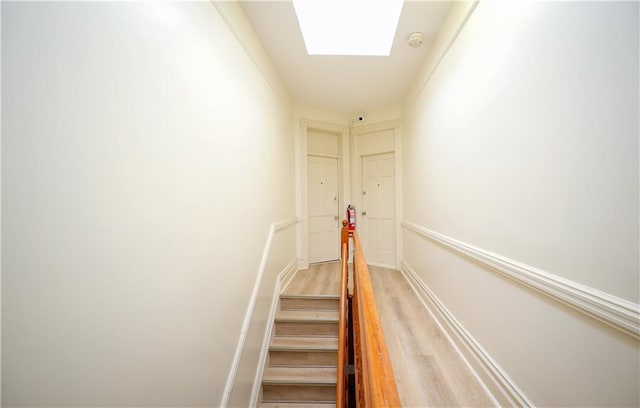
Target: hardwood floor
[319,279]
[428,371]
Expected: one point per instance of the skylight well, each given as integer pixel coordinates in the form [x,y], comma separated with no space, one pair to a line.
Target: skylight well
[348,27]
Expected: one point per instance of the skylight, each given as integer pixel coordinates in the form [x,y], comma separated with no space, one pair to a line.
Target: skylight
[348,27]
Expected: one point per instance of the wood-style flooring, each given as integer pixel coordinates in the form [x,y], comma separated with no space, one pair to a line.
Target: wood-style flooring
[428,371]
[319,279]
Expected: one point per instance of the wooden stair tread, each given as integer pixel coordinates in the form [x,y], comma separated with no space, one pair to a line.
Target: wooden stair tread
[302,343]
[330,297]
[309,303]
[300,375]
[306,316]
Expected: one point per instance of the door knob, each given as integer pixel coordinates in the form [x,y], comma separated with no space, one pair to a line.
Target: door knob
[364,213]
[335,217]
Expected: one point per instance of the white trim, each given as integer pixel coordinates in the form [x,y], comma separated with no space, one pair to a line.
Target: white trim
[363,129]
[612,310]
[343,179]
[399,193]
[287,276]
[324,156]
[276,226]
[284,277]
[380,265]
[492,377]
[360,130]
[322,126]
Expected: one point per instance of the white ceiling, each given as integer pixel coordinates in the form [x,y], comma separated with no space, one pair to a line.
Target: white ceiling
[346,84]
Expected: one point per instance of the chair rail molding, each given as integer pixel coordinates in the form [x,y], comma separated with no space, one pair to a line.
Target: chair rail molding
[283,280]
[275,227]
[619,313]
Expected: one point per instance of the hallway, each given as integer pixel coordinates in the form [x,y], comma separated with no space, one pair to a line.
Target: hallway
[428,371]
[157,159]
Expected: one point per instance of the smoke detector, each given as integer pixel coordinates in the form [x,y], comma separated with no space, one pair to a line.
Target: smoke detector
[416,39]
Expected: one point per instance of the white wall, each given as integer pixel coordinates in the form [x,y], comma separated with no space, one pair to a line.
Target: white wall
[524,143]
[322,142]
[137,139]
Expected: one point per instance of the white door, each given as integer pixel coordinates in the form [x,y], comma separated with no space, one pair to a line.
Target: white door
[324,231]
[377,215]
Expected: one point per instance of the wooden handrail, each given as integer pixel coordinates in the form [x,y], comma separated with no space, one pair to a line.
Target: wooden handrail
[375,384]
[342,382]
[378,381]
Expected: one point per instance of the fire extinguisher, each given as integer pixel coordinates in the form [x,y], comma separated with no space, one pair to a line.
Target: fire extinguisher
[351,217]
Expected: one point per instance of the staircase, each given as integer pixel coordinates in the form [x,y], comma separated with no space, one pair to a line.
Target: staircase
[301,367]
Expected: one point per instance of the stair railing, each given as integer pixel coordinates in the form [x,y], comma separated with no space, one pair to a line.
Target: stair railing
[342,382]
[373,380]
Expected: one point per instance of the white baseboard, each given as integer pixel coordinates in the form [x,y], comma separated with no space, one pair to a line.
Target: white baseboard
[283,280]
[275,227]
[287,275]
[495,379]
[302,265]
[381,265]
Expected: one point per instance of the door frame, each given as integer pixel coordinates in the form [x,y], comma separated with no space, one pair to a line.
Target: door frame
[302,179]
[338,184]
[356,133]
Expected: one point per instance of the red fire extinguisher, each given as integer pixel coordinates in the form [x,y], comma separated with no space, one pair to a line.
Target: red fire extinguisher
[351,217]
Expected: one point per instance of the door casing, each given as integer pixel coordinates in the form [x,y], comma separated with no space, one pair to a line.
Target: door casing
[373,139]
[304,126]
